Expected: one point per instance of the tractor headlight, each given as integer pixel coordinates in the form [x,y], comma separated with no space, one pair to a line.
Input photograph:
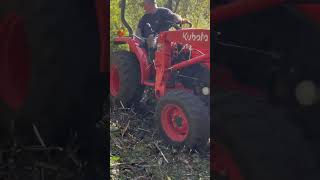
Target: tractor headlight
[206,91]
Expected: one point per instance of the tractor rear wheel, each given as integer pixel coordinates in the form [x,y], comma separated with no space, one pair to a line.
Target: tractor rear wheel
[260,141]
[52,76]
[183,119]
[125,79]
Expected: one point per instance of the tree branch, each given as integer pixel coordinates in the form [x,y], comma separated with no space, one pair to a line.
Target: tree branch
[169,4]
[177,4]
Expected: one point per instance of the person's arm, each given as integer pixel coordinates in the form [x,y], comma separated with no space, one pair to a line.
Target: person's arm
[139,28]
[175,17]
[171,16]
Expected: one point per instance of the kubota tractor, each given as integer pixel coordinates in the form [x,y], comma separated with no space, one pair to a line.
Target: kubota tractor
[266,89]
[179,76]
[52,89]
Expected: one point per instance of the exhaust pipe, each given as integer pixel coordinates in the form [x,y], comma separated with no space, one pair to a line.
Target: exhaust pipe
[123,19]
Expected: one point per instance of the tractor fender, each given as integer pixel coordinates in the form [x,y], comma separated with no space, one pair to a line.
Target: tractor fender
[140,53]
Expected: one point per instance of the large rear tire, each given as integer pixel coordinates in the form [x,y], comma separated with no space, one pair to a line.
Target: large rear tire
[125,79]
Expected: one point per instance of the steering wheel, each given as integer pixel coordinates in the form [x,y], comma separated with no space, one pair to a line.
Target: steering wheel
[189,23]
[178,26]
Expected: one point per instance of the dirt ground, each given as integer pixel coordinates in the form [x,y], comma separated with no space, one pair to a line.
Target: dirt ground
[137,152]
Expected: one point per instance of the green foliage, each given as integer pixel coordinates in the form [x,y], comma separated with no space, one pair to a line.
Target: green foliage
[196,11]
[114,160]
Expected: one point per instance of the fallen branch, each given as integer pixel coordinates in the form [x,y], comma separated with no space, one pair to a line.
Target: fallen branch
[161,152]
[125,129]
[117,164]
[144,130]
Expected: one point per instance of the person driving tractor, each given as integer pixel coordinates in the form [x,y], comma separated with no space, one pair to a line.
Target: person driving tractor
[158,18]
[155,20]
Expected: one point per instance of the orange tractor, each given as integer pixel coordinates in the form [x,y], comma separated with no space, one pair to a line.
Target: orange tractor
[179,77]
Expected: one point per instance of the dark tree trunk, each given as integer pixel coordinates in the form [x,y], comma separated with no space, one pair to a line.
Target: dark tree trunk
[177,5]
[169,4]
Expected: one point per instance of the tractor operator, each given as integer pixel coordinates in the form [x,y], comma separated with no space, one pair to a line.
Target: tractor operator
[159,19]
[155,20]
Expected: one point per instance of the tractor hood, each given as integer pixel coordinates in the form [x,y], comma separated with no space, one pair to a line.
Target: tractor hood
[197,38]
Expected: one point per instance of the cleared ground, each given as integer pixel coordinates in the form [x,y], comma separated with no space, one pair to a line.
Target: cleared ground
[137,151]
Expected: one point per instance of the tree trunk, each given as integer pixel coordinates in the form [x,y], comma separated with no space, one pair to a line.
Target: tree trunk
[176,7]
[169,4]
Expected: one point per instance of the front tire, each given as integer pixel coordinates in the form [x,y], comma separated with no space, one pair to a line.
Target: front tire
[183,119]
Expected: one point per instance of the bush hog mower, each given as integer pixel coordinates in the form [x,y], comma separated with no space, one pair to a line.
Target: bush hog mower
[266,90]
[178,75]
[51,89]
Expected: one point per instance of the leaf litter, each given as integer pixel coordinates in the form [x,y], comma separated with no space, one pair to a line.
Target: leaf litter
[137,152]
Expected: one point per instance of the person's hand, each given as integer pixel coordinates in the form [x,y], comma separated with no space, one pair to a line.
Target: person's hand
[151,41]
[185,21]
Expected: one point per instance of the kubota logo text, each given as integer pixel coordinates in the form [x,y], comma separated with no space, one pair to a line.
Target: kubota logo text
[195,37]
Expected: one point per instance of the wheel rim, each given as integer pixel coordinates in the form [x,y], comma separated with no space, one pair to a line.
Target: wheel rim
[224,164]
[174,122]
[114,81]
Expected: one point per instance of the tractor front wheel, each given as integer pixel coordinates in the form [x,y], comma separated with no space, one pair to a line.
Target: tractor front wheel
[183,119]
